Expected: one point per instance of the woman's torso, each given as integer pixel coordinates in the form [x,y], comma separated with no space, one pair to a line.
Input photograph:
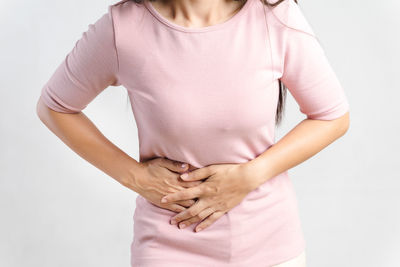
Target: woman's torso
[206,96]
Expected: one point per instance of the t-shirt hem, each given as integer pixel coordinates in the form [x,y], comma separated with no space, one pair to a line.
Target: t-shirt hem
[161,262]
[284,254]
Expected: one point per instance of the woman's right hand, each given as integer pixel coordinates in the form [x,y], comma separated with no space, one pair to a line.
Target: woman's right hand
[161,176]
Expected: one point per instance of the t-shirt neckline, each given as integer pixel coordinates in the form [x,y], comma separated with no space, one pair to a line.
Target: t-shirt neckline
[220,25]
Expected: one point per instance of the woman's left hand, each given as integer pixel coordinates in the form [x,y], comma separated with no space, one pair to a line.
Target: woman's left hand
[225,187]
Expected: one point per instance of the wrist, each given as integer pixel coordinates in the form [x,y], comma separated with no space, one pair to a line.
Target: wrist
[255,173]
[132,176]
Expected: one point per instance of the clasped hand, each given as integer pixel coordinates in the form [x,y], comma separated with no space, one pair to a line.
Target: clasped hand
[225,187]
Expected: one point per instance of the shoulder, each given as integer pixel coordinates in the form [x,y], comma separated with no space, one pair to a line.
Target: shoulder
[288,16]
[126,9]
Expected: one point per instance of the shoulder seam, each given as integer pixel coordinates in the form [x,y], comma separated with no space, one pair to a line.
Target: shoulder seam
[286,26]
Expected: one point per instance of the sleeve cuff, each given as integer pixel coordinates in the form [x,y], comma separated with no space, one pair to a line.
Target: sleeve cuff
[55,103]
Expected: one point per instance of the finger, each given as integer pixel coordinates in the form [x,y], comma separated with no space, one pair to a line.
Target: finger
[203,214]
[190,184]
[197,174]
[186,223]
[186,203]
[176,207]
[188,193]
[172,165]
[188,213]
[209,220]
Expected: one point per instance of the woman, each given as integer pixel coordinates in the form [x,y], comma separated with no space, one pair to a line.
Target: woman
[205,80]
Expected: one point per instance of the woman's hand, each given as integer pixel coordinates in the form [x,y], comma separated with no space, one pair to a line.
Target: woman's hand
[225,187]
[160,176]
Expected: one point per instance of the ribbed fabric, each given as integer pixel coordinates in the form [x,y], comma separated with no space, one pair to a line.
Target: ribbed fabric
[206,96]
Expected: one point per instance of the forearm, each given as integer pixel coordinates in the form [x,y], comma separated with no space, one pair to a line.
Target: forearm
[79,133]
[305,140]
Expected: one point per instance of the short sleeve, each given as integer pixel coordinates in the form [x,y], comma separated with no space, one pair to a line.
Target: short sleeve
[86,71]
[307,72]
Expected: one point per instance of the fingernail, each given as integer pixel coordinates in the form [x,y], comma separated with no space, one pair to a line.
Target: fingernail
[198,229]
[163,200]
[182,225]
[173,222]
[184,176]
[183,165]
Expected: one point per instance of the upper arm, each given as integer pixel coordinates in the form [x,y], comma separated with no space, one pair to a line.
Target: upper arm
[308,74]
[89,68]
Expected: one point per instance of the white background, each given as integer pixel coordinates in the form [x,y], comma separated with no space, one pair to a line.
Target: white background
[58,210]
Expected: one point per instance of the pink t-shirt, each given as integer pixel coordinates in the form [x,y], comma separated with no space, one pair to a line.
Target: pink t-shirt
[206,96]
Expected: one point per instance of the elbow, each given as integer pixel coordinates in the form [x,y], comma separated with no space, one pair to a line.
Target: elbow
[342,124]
[338,126]
[42,111]
[347,121]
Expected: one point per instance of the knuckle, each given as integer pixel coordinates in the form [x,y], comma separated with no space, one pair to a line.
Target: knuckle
[149,163]
[209,190]
[205,189]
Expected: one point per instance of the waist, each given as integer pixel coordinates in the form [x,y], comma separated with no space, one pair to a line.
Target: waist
[268,195]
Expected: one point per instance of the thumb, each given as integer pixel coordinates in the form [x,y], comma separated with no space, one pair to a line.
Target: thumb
[197,174]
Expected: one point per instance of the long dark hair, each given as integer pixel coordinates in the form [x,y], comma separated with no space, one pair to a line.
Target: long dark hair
[282,87]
